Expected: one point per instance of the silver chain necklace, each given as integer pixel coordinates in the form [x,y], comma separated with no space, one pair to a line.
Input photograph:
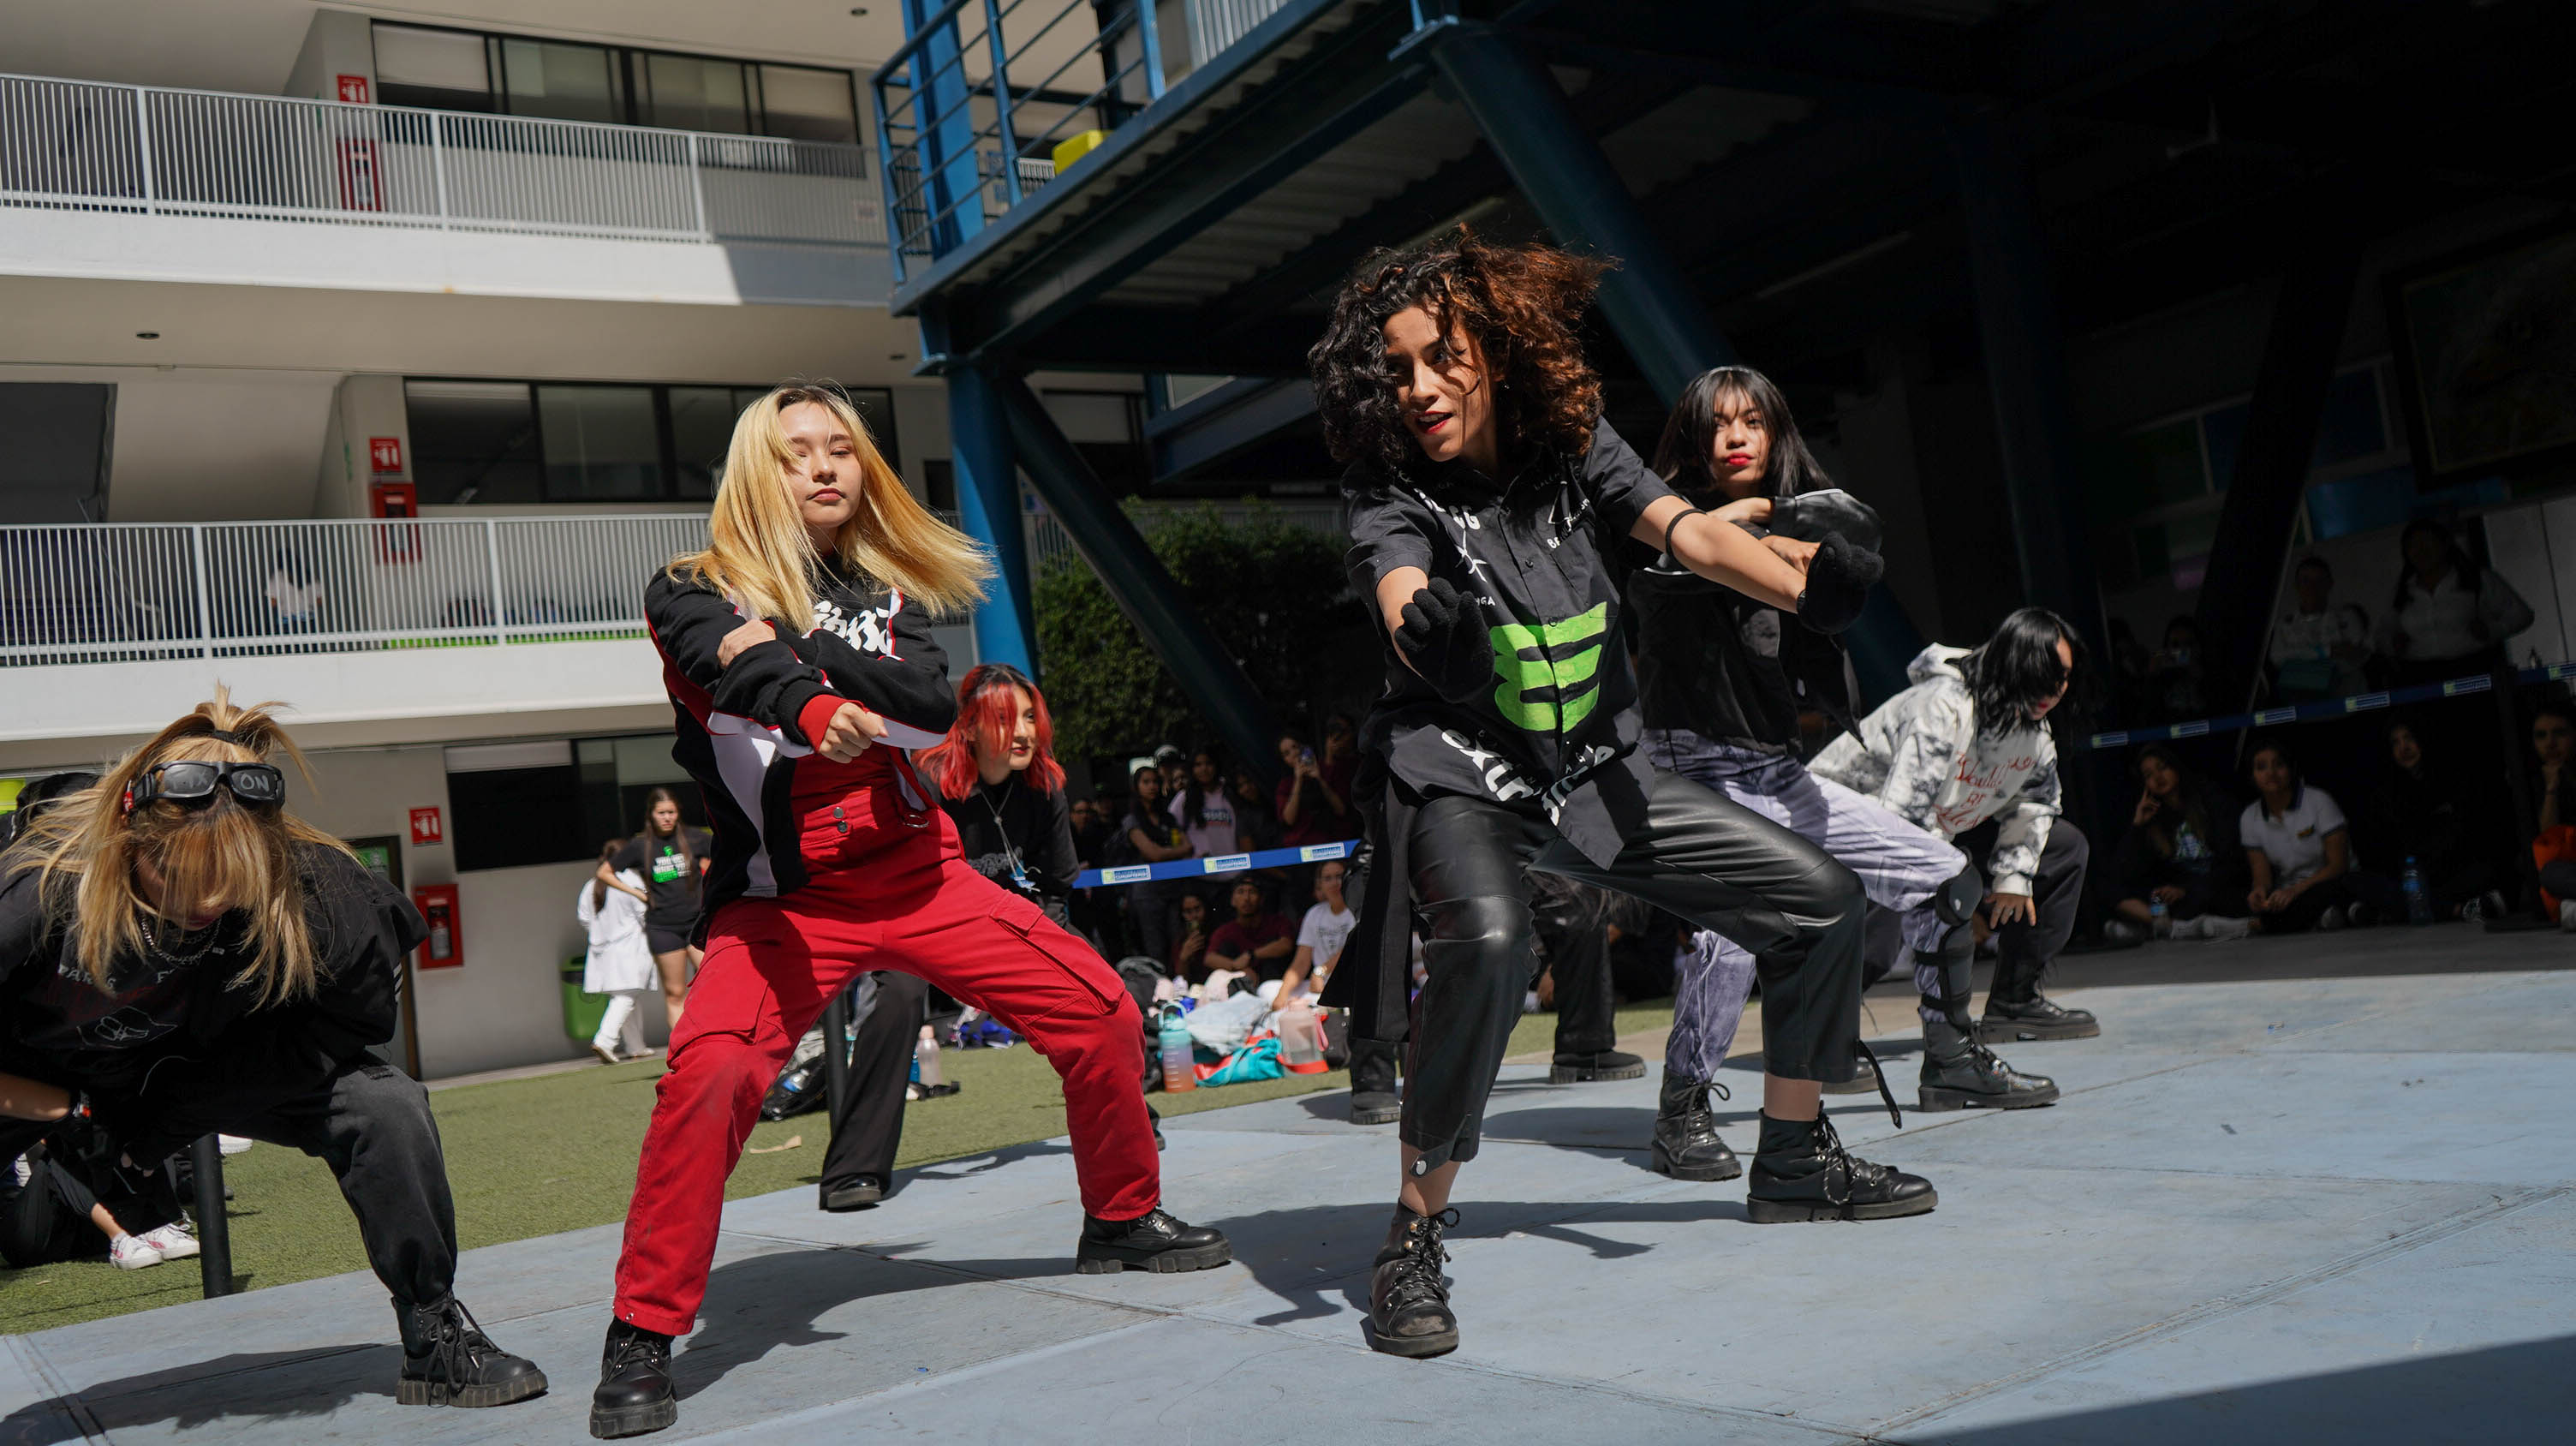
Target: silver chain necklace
[152,941]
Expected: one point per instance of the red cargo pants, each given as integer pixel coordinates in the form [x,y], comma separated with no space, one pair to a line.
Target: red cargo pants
[887,888]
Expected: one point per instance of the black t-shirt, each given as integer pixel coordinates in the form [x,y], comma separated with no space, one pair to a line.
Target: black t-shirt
[107,1040]
[1732,669]
[1558,733]
[670,876]
[1000,825]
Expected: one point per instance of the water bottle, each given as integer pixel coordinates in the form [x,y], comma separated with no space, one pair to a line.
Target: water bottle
[1301,1039]
[925,1059]
[2159,920]
[1180,1066]
[2419,905]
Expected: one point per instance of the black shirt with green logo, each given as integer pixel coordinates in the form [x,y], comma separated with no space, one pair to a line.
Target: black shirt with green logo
[1557,734]
[670,876]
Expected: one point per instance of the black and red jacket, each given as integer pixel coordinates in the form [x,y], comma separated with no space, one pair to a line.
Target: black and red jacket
[746,732]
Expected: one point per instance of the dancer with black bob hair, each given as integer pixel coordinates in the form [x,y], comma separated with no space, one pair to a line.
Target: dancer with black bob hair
[1482,483]
[1723,679]
[180,955]
[1966,753]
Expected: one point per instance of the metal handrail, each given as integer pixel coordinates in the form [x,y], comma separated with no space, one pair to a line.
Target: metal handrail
[92,145]
[121,592]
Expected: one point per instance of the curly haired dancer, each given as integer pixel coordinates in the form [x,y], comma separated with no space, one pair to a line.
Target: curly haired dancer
[1481,484]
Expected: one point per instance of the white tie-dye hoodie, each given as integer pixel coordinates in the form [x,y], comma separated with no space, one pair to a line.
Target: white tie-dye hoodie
[1920,756]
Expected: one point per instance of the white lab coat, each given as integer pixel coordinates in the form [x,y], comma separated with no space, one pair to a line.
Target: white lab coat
[619,957]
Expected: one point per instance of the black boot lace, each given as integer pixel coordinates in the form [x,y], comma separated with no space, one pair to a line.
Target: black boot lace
[1854,1175]
[1879,1077]
[1417,1280]
[636,1348]
[460,1346]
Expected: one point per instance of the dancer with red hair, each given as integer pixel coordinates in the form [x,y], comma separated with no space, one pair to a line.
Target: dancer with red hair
[998,778]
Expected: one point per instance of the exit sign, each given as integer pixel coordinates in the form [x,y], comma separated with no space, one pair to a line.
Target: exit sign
[384,454]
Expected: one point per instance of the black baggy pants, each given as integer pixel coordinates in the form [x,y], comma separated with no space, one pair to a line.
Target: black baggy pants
[2023,952]
[1700,855]
[867,1121]
[1572,923]
[371,1124]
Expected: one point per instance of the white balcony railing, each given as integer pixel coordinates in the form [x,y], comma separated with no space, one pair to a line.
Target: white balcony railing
[89,146]
[120,592]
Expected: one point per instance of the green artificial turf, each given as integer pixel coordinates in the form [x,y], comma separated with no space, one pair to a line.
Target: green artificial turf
[537,1156]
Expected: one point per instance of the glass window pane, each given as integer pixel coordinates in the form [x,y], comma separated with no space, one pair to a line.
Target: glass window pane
[2351,426]
[2224,432]
[437,69]
[691,94]
[702,421]
[561,82]
[876,408]
[601,443]
[809,105]
[473,441]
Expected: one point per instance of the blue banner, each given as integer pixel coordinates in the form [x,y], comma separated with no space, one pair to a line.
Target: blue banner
[1221,864]
[2324,708]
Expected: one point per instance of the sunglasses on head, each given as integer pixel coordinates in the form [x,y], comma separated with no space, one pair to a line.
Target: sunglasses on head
[251,783]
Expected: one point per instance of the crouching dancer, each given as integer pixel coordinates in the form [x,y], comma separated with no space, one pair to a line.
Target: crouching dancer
[1482,481]
[179,955]
[798,655]
[1966,754]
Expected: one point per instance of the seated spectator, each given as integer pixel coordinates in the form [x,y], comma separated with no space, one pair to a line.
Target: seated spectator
[1255,941]
[1311,809]
[2299,851]
[1320,936]
[51,1205]
[2433,818]
[2318,650]
[1189,952]
[2181,850]
[1252,813]
[2553,740]
[2175,679]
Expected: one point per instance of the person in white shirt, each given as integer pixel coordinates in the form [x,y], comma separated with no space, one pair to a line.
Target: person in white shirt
[2449,616]
[1320,935]
[620,962]
[2299,850]
[2318,649]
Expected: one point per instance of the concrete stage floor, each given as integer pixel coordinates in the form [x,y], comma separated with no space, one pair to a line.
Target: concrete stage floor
[2300,1191]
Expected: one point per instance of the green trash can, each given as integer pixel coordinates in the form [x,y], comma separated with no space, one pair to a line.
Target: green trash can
[582,1012]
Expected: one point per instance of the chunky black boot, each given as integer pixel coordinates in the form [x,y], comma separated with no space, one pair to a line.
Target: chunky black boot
[1599,1065]
[1864,1079]
[1152,1241]
[1802,1172]
[635,1393]
[1409,1311]
[1961,1074]
[448,1361]
[1373,1100]
[2037,1017]
[1686,1142]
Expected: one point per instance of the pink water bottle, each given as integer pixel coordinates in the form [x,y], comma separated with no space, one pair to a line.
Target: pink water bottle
[1180,1065]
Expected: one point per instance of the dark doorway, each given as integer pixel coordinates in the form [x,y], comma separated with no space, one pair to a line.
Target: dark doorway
[54,451]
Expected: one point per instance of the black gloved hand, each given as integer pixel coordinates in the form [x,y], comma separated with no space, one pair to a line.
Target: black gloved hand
[1443,637]
[1838,582]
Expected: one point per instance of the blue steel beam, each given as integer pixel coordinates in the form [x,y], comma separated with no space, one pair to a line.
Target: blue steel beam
[947,125]
[1139,583]
[988,504]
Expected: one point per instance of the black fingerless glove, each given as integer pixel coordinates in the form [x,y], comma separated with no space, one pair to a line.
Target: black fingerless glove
[1442,636]
[1838,583]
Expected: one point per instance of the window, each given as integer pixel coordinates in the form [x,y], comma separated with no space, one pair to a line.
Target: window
[808,105]
[503,442]
[474,441]
[602,444]
[690,94]
[619,774]
[461,70]
[515,804]
[434,69]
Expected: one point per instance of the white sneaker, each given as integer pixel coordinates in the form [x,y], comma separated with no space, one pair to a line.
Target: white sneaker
[232,1144]
[131,1252]
[606,1055]
[2567,915]
[2216,926]
[172,1240]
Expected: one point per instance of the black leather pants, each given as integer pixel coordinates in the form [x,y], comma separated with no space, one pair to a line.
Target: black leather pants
[1701,856]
